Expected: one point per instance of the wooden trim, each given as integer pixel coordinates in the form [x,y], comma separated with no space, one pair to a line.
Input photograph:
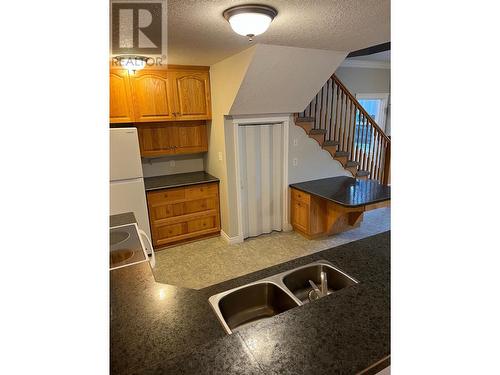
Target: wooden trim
[359,107]
[374,206]
[377,366]
[182,237]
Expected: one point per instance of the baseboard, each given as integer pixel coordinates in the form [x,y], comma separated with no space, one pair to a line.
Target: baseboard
[231,240]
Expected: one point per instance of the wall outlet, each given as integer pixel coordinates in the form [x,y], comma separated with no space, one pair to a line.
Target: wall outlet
[295,142]
[220,156]
[172,163]
[295,162]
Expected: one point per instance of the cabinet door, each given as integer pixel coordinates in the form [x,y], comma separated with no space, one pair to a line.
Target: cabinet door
[300,216]
[152,94]
[157,140]
[192,95]
[191,137]
[120,97]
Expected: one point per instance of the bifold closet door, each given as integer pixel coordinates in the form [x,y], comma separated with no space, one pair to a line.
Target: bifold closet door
[261,174]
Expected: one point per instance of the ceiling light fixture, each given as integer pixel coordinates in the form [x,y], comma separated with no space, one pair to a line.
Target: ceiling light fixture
[132,63]
[250,20]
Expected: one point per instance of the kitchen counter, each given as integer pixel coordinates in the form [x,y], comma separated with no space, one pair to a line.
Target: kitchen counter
[346,191]
[122,219]
[164,329]
[177,180]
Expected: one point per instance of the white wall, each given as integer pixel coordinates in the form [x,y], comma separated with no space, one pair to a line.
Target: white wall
[283,79]
[313,161]
[368,81]
[163,166]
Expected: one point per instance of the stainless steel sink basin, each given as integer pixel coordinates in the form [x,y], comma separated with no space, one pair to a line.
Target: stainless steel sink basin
[298,280]
[250,303]
[276,294]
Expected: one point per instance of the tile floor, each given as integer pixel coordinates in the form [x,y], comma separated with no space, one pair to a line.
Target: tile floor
[211,261]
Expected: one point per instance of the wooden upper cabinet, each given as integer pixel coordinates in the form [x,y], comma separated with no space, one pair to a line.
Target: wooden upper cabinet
[153,97]
[156,95]
[173,138]
[120,97]
[192,94]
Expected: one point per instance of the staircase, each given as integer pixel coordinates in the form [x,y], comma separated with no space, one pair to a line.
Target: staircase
[341,126]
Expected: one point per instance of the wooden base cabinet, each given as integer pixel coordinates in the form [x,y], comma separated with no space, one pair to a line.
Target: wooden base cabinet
[182,214]
[313,216]
[307,214]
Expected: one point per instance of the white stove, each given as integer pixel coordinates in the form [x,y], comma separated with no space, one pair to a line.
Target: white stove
[127,246]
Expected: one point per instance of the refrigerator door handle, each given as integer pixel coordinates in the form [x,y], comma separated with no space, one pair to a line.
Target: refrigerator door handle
[153,259]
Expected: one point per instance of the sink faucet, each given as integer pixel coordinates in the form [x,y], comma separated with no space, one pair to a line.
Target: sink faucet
[323,292]
[324,284]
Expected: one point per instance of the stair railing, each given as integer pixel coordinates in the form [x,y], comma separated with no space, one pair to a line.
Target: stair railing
[337,111]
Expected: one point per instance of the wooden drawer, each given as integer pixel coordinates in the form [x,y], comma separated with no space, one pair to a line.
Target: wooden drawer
[166,195]
[190,227]
[160,211]
[173,230]
[179,214]
[201,191]
[203,223]
[300,196]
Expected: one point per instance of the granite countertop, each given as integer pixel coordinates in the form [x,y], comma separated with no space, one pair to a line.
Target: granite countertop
[346,191]
[164,329]
[122,219]
[176,180]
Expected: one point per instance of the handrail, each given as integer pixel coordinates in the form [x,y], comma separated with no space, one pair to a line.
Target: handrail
[360,107]
[353,131]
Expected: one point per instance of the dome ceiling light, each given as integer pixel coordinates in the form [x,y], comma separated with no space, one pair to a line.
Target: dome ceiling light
[250,20]
[132,63]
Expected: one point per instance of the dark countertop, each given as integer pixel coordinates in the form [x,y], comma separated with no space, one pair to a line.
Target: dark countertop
[164,329]
[346,191]
[122,219]
[176,180]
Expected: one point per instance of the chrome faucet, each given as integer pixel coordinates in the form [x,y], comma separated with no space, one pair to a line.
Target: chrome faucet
[316,292]
[324,284]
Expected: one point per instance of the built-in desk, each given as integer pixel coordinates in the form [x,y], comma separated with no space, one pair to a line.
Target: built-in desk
[333,205]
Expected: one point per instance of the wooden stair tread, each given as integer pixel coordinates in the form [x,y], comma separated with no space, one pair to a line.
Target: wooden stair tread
[331,143]
[317,131]
[304,119]
[362,173]
[341,153]
[351,163]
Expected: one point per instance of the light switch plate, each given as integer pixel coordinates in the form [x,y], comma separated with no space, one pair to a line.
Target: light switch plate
[295,162]
[295,142]
[220,156]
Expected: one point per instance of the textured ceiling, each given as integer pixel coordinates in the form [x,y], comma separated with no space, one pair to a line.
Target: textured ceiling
[199,35]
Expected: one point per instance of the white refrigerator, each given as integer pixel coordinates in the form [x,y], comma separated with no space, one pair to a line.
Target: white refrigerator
[127,192]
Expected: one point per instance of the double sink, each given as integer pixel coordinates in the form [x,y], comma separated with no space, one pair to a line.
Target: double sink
[273,295]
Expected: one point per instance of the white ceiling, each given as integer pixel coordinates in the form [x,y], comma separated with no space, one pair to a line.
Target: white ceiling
[199,35]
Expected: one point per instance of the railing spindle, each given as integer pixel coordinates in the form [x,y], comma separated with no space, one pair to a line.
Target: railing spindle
[343,118]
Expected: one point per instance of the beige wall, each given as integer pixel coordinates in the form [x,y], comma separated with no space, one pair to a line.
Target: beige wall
[225,80]
[367,81]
